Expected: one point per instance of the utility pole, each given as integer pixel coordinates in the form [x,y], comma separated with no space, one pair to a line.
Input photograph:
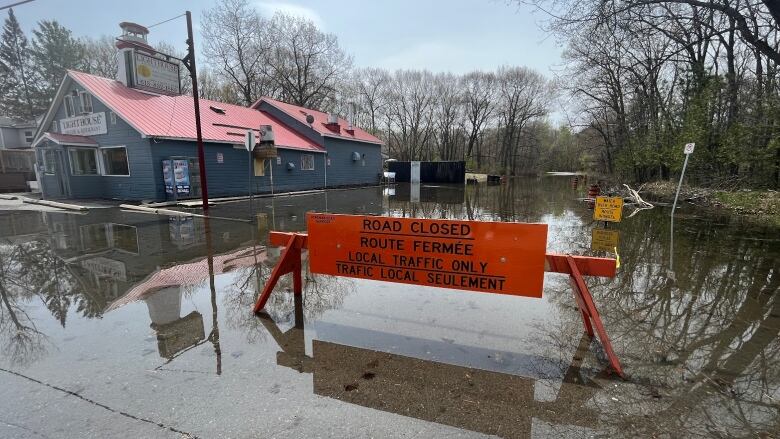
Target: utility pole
[189,63]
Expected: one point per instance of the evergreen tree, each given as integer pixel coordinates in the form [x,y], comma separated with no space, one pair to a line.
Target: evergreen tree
[54,50]
[17,88]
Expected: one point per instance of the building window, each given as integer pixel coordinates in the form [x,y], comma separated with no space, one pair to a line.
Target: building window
[28,137]
[49,161]
[53,126]
[115,161]
[104,236]
[83,161]
[85,99]
[113,118]
[307,162]
[70,110]
[259,167]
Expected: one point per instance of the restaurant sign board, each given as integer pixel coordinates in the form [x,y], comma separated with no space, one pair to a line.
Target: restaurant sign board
[86,125]
[155,74]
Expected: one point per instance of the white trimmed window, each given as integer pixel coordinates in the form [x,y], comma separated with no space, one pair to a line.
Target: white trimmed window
[70,110]
[49,161]
[28,137]
[85,99]
[114,160]
[307,162]
[83,161]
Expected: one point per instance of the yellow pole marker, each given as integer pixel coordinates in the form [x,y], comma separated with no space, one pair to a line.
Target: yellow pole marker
[617,259]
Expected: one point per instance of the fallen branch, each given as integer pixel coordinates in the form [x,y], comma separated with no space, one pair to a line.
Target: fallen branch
[638,202]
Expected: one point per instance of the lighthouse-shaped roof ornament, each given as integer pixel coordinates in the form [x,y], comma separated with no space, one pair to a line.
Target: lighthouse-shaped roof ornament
[133,36]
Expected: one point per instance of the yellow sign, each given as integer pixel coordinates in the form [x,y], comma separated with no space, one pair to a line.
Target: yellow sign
[608,209]
[604,240]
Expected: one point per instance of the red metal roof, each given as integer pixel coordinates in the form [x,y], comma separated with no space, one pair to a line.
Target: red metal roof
[174,116]
[68,139]
[321,122]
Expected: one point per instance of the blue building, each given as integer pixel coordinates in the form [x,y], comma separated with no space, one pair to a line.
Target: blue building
[133,138]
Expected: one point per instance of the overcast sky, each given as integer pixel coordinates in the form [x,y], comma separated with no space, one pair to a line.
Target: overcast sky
[438,35]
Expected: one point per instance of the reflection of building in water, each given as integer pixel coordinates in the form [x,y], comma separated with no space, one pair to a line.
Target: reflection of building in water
[463,397]
[174,333]
[191,273]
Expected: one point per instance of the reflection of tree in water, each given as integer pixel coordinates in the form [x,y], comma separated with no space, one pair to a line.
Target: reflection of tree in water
[702,350]
[320,293]
[21,340]
[29,270]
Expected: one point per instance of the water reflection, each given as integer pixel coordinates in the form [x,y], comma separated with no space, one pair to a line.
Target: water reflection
[473,399]
[701,352]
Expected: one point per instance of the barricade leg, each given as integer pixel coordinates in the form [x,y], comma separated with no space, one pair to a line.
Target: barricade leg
[591,315]
[582,308]
[290,261]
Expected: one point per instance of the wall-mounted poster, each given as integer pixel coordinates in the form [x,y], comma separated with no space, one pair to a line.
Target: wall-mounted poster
[181,175]
[167,176]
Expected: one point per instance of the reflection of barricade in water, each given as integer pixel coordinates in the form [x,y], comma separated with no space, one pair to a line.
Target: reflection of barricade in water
[477,400]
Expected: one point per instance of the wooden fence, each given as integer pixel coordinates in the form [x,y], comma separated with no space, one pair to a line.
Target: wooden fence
[17,167]
[17,160]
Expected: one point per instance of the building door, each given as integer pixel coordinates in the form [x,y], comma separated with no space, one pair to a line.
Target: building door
[415,172]
[53,175]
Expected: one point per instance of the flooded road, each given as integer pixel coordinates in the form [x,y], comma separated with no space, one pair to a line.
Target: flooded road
[122,324]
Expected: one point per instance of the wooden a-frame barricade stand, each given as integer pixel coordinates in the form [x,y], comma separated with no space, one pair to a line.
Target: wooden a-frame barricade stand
[494,257]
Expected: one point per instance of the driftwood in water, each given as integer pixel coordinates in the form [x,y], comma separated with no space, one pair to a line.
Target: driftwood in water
[637,201]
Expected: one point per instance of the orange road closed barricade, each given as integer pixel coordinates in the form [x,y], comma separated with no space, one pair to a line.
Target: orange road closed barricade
[505,258]
[491,257]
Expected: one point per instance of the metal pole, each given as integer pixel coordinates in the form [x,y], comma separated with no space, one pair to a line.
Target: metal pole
[189,62]
[682,174]
[271,167]
[251,192]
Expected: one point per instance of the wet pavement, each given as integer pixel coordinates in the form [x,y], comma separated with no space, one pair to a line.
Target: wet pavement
[123,324]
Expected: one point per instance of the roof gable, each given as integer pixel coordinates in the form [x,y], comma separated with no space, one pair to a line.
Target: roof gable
[320,124]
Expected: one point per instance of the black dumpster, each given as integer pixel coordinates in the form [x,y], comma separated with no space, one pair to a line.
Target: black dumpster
[430,172]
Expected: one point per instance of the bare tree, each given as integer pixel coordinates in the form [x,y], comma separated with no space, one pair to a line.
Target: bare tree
[448,116]
[233,45]
[100,56]
[369,89]
[524,95]
[305,64]
[479,96]
[409,115]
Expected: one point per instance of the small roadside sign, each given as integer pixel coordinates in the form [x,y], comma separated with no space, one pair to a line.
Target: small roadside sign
[605,240]
[249,140]
[494,257]
[689,148]
[608,209]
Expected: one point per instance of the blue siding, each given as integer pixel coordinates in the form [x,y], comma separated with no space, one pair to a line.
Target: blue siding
[231,177]
[344,171]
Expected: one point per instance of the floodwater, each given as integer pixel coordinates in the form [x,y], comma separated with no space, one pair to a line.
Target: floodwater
[120,324]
